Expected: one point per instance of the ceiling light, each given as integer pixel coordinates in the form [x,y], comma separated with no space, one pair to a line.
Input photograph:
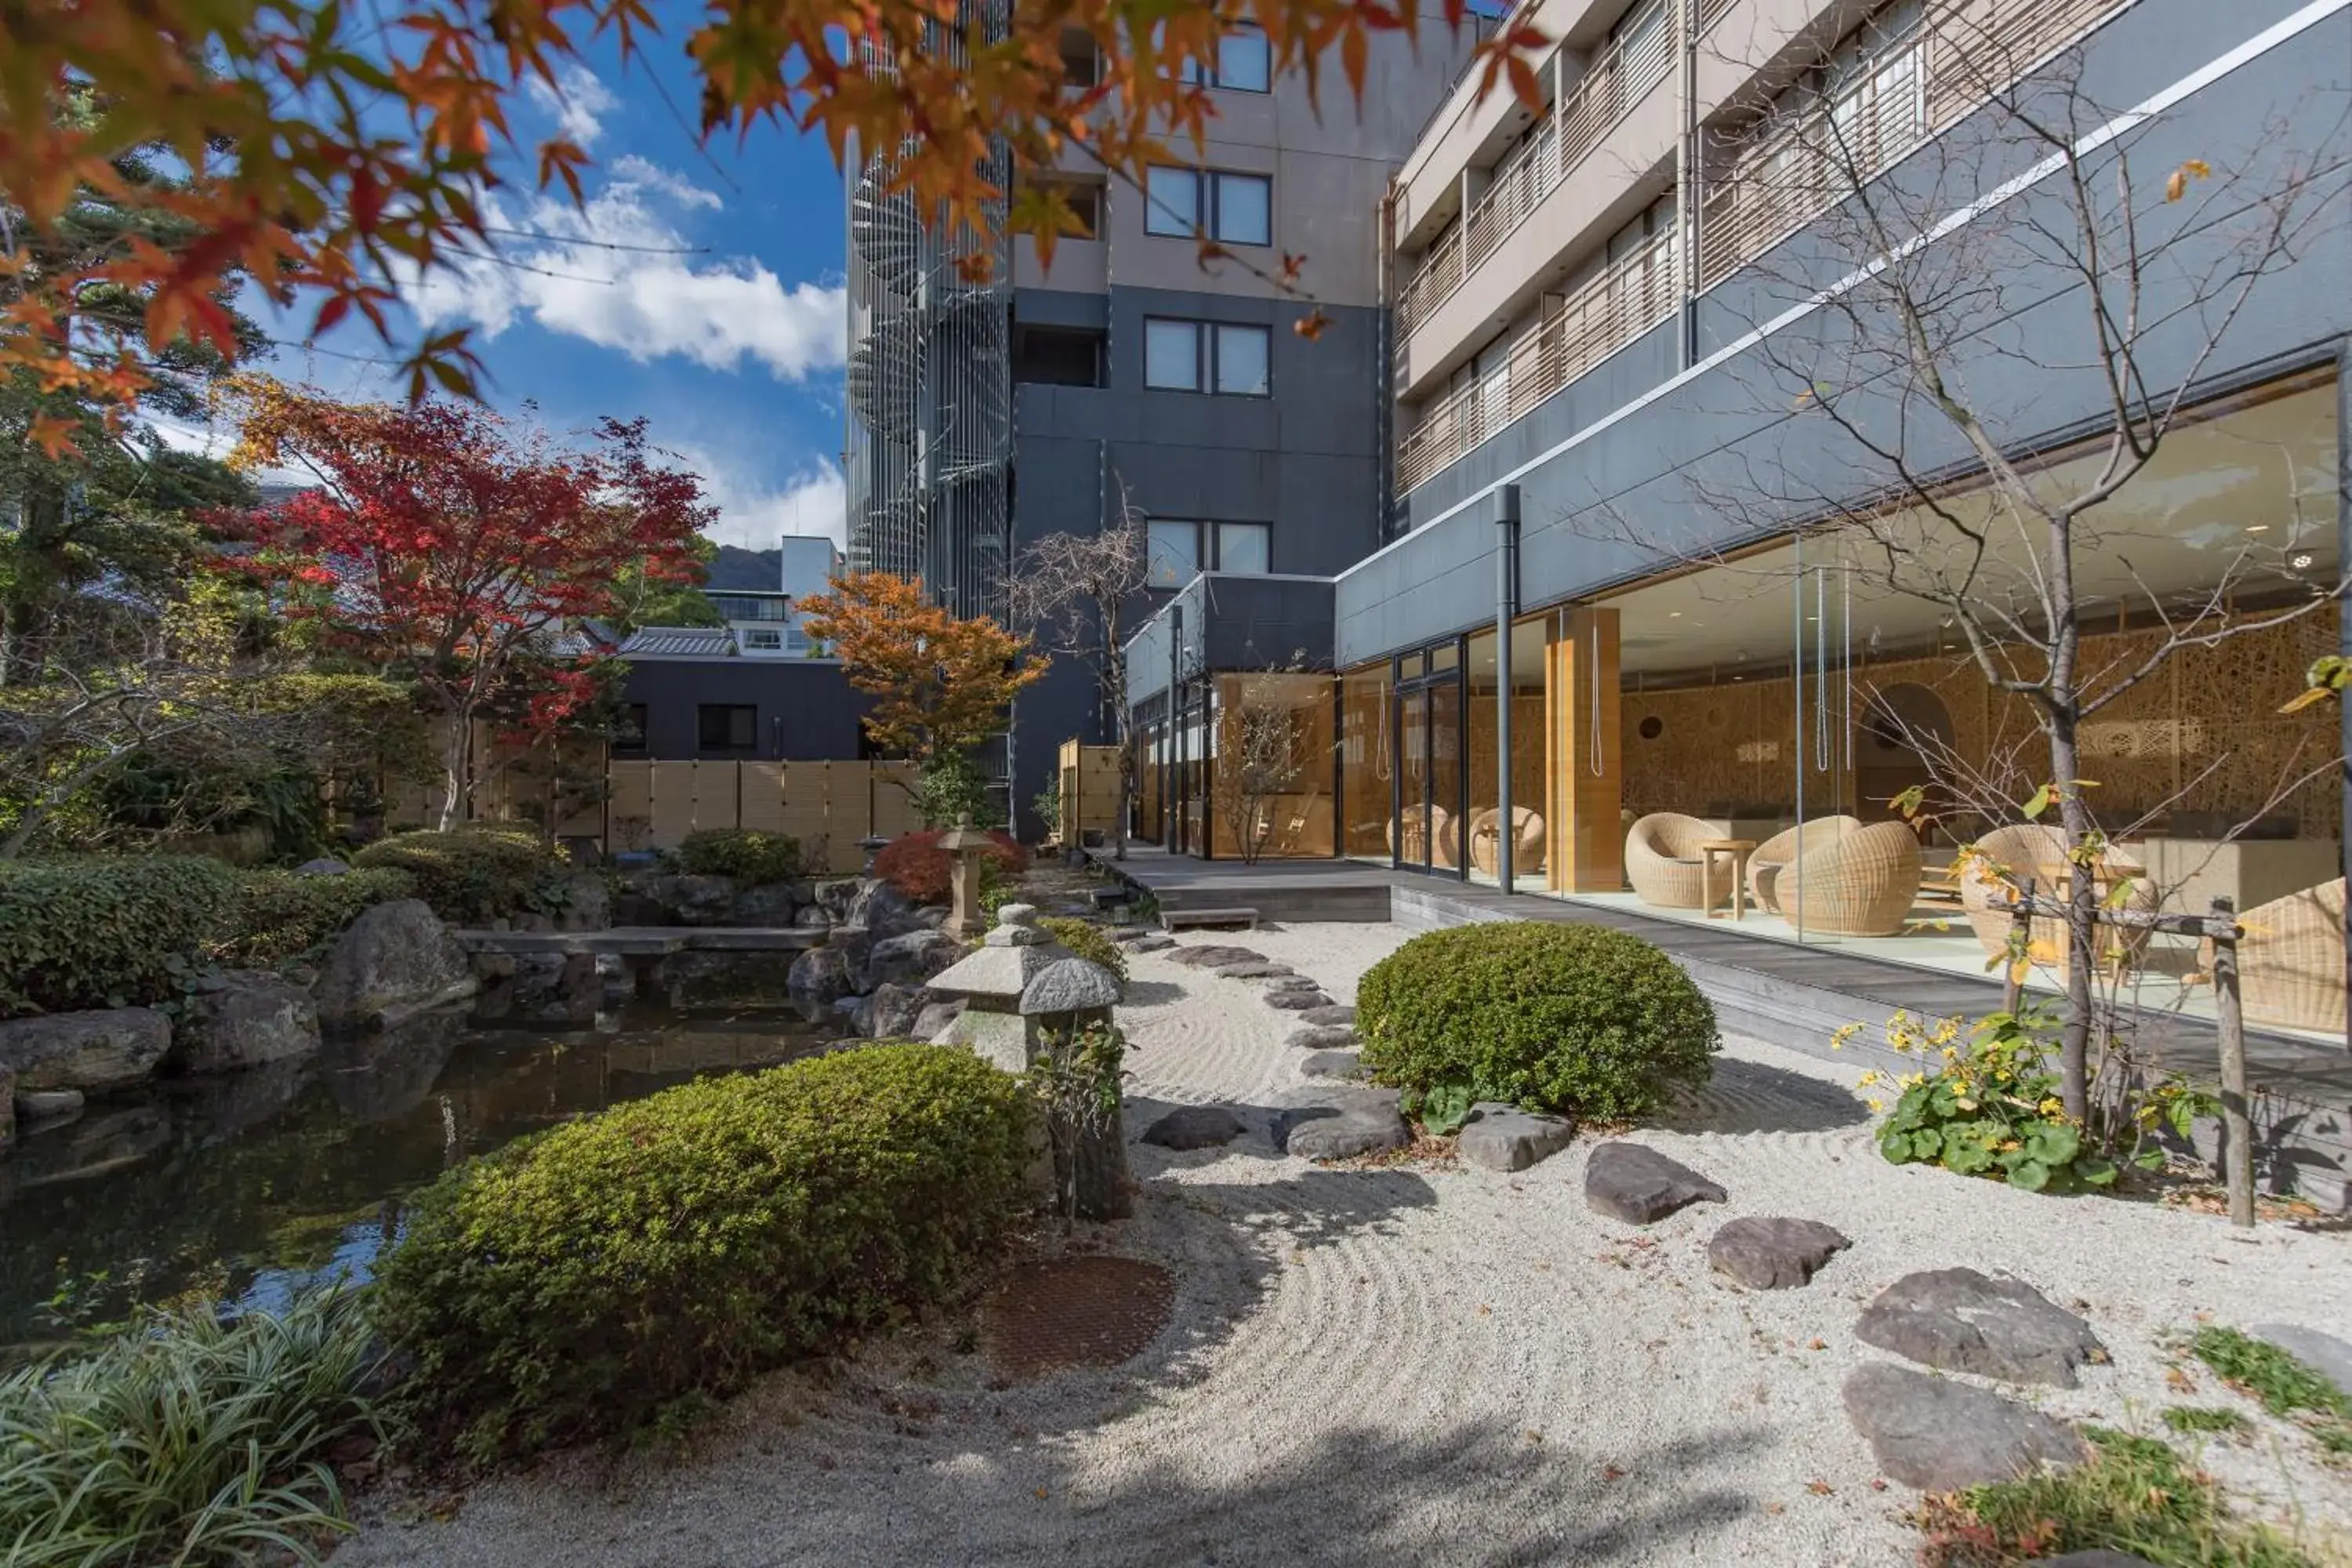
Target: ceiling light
[2300,560]
[2258,528]
[1675,614]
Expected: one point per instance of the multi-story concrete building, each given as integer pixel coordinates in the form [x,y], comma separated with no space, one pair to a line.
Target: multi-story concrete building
[1733,386]
[1133,376]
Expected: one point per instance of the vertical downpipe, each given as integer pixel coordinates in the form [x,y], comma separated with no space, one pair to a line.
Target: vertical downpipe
[1384,374]
[1506,610]
[1686,183]
[1176,800]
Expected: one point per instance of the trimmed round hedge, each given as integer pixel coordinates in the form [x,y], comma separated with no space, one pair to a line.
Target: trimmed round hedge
[580,1282]
[473,874]
[105,930]
[1572,1018]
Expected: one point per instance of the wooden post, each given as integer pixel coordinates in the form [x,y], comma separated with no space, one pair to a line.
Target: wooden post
[2237,1123]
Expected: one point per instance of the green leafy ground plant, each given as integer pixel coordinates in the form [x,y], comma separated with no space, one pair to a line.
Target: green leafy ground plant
[187,1440]
[753,857]
[1087,941]
[105,930]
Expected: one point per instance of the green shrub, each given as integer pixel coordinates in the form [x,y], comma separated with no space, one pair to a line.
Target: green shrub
[591,1280]
[473,875]
[2282,1381]
[282,916]
[105,931]
[749,855]
[1563,1018]
[186,1440]
[916,865]
[1087,941]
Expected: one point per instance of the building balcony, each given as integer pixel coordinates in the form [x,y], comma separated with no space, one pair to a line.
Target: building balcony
[1625,301]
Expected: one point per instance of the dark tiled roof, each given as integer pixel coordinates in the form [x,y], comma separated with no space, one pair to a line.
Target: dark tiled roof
[679,642]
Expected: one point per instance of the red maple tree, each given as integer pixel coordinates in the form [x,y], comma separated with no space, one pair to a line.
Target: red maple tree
[449,547]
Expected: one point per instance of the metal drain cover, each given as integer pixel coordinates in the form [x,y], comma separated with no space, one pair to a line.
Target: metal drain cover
[1074,1312]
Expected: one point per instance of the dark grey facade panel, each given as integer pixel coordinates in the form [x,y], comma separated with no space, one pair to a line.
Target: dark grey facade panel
[1060,307]
[1708,464]
[807,710]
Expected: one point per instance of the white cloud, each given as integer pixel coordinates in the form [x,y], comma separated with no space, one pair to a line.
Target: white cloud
[653,299]
[755,514]
[578,103]
[217,441]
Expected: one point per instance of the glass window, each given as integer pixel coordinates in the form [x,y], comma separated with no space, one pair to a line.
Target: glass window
[1245,63]
[1245,209]
[727,727]
[1242,547]
[765,638]
[1175,553]
[1171,354]
[1241,359]
[629,734]
[1172,201]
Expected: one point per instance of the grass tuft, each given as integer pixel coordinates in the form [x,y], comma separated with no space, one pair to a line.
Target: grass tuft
[187,1440]
[2203,1418]
[2283,1382]
[2132,1496]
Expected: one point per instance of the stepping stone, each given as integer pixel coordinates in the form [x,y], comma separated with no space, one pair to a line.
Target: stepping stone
[2326,1355]
[1340,1125]
[1209,956]
[1158,942]
[1335,1015]
[1194,1127]
[1322,1037]
[1940,1436]
[1332,1064]
[1505,1138]
[1291,981]
[1129,933]
[1773,1254]
[1956,1320]
[1255,970]
[1638,1185]
[1297,1001]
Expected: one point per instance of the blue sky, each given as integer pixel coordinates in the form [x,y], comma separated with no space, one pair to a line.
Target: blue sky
[732,352]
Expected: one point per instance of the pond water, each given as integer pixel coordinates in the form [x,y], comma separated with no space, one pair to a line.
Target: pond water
[247,1186]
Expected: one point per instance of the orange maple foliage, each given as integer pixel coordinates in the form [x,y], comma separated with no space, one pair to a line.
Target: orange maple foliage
[339,149]
[941,684]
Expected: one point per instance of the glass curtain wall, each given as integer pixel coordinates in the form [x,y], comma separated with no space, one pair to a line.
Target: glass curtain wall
[1272,792]
[1367,762]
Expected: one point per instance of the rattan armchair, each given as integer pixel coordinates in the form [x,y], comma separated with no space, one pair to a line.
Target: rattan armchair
[1772,856]
[1662,859]
[2007,857]
[2291,960]
[1526,843]
[1861,883]
[1437,849]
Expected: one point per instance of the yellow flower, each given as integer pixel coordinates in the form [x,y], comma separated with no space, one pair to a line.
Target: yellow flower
[2051,1107]
[1869,1078]
[1876,1104]
[1913,1079]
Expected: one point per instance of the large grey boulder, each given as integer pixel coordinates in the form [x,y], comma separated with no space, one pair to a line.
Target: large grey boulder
[36,1105]
[819,977]
[395,961]
[96,1053]
[1939,1434]
[1194,1127]
[891,1012]
[1957,1320]
[1774,1253]
[1505,1138]
[933,1020]
[1639,1185]
[239,1019]
[911,958]
[882,909]
[585,903]
[2324,1353]
[540,988]
[836,896]
[679,900]
[1341,1124]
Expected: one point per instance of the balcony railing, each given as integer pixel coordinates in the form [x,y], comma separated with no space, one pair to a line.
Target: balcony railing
[1632,296]
[1612,85]
[1790,167]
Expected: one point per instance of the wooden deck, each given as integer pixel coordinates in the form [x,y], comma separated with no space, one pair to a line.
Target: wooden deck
[1792,995]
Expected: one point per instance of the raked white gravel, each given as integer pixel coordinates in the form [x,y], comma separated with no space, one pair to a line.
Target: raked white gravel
[1422,1365]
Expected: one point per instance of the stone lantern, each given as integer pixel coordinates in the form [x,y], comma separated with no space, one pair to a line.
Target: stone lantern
[992,983]
[1088,1139]
[966,846]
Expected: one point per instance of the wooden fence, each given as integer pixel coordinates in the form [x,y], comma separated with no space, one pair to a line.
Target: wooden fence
[1090,791]
[828,807]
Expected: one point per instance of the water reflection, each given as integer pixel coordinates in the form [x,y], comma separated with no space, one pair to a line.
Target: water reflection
[248,1185]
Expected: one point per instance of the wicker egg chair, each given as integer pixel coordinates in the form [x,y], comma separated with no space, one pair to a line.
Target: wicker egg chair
[2006,858]
[2291,960]
[1441,828]
[1772,856]
[1662,859]
[1861,883]
[1526,843]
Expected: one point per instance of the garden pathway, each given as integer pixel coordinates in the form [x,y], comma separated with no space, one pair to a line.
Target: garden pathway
[1422,1365]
